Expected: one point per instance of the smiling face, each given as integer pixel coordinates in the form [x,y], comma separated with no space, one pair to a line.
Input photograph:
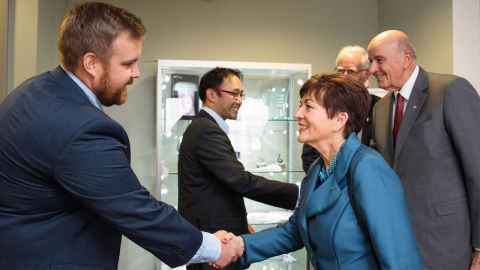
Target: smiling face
[314,125]
[390,62]
[120,71]
[227,97]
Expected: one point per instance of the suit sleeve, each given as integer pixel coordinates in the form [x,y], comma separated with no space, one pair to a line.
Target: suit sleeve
[462,120]
[215,152]
[94,168]
[378,195]
[271,242]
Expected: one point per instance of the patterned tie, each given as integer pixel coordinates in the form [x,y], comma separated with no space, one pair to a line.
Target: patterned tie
[400,103]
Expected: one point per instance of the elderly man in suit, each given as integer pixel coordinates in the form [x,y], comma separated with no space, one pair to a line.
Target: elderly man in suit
[427,128]
[67,191]
[212,182]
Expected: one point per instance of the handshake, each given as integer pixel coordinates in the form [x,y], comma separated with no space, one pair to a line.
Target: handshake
[232,249]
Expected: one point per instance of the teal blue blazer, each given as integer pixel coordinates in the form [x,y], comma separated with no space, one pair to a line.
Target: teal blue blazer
[325,223]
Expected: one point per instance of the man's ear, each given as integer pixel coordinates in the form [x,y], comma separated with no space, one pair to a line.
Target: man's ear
[408,58]
[211,95]
[91,64]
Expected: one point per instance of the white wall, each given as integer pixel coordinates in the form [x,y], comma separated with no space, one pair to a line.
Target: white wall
[25,40]
[50,14]
[428,24]
[466,40]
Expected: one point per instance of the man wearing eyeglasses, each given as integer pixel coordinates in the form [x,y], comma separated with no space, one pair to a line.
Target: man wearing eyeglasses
[351,61]
[212,182]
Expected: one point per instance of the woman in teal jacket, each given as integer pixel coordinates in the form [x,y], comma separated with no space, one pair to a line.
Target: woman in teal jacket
[352,212]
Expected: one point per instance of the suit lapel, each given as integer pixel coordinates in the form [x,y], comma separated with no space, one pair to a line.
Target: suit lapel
[414,106]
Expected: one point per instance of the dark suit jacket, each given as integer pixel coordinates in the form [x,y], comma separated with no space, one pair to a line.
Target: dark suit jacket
[309,154]
[437,158]
[212,182]
[67,191]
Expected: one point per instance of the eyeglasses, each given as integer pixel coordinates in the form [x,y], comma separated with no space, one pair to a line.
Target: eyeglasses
[238,94]
[347,71]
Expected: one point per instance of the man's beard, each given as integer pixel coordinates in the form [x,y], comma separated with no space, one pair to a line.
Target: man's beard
[110,96]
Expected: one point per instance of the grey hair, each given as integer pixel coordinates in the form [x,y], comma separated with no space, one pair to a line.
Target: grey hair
[354,49]
[407,47]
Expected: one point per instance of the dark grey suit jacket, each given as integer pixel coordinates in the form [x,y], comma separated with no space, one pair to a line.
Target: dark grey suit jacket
[437,158]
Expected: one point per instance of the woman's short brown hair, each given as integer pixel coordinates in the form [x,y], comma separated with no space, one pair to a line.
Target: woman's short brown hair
[339,93]
[92,27]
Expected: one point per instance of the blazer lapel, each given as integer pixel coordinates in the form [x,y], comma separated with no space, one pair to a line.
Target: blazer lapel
[310,182]
[307,187]
[414,106]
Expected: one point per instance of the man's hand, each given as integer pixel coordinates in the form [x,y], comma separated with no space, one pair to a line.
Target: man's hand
[224,236]
[232,249]
[475,260]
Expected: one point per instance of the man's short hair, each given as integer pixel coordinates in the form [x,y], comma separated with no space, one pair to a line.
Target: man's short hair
[355,49]
[407,47]
[214,78]
[92,27]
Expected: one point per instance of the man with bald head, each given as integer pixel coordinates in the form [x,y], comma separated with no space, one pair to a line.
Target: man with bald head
[427,129]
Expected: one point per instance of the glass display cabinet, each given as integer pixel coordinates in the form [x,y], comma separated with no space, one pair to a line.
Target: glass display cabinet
[263,136]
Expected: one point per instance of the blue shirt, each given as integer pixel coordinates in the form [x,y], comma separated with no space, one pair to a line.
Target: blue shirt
[220,121]
[89,93]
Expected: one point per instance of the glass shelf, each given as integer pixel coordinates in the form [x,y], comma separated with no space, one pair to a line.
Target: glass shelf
[264,134]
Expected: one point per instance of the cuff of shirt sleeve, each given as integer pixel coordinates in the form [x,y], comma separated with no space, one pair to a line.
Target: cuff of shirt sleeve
[209,251]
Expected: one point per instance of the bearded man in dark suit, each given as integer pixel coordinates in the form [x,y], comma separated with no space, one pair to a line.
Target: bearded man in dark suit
[67,191]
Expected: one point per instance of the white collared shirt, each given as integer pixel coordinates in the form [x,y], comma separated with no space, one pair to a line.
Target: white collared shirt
[405,91]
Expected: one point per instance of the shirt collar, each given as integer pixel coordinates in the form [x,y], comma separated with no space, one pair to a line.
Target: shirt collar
[87,91]
[220,121]
[407,88]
